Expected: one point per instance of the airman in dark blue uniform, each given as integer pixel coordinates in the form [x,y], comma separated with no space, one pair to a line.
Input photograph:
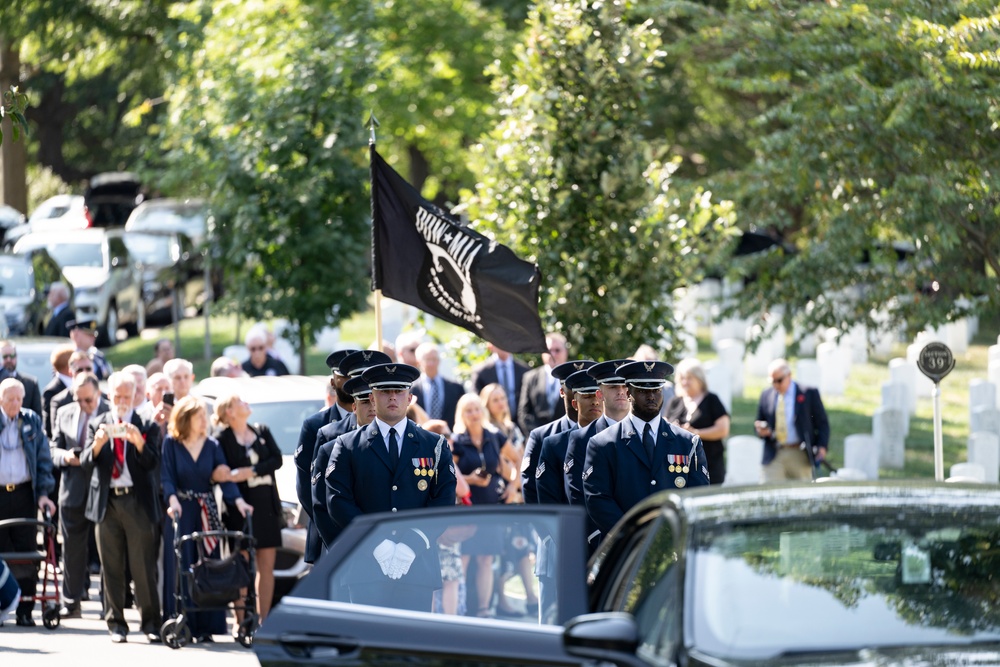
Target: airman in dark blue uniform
[642,454]
[305,452]
[391,465]
[589,404]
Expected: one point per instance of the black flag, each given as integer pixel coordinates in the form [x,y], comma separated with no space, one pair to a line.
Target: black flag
[422,256]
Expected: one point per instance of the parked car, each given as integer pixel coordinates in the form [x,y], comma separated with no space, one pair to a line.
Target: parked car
[34,354]
[170,215]
[10,217]
[282,403]
[891,573]
[169,265]
[105,281]
[24,285]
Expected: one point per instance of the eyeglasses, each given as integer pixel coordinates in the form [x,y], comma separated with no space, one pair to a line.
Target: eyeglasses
[9,356]
[256,348]
[88,400]
[777,381]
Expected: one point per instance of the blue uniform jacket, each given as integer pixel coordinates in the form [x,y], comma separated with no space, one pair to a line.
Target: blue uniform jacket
[549,473]
[359,479]
[325,439]
[533,452]
[305,452]
[617,474]
[36,453]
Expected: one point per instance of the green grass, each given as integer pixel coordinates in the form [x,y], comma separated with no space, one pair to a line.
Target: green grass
[848,414]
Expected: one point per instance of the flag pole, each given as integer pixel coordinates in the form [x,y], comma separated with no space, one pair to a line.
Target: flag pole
[372,123]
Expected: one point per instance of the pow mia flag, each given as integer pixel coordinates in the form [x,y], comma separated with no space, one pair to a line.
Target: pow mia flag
[422,256]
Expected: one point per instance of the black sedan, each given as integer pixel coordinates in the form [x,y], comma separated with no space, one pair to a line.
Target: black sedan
[823,574]
[171,268]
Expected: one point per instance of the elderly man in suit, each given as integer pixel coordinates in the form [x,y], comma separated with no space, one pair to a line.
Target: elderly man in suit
[792,421]
[25,483]
[123,453]
[69,438]
[539,402]
[642,454]
[62,313]
[435,394]
[79,362]
[503,369]
[378,469]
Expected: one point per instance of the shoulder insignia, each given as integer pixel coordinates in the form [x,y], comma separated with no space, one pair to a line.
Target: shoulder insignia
[330,468]
[540,470]
[525,462]
[451,467]
[568,465]
[315,479]
[298,451]
[704,471]
[312,466]
[587,473]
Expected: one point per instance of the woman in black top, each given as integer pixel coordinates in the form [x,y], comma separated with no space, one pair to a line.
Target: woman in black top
[699,411]
[253,455]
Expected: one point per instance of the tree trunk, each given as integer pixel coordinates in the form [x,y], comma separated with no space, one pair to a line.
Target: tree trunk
[13,158]
[302,348]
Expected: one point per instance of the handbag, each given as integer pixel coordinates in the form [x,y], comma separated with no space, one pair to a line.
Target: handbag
[217,582]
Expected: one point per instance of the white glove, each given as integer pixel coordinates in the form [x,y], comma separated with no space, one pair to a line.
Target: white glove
[383,554]
[402,558]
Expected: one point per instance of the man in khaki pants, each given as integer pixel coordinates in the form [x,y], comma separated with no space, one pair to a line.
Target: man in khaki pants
[793,423]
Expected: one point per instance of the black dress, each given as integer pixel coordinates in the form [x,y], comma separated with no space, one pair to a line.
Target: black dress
[488,539]
[260,491]
[705,416]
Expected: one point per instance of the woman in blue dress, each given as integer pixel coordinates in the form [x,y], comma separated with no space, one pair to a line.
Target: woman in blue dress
[191,463]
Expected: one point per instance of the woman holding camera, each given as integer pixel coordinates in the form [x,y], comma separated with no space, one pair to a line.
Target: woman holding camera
[478,451]
[253,455]
[191,462]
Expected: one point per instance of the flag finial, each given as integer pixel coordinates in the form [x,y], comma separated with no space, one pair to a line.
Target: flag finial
[371,124]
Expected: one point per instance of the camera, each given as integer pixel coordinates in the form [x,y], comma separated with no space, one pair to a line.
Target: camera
[168,398]
[117,430]
[481,472]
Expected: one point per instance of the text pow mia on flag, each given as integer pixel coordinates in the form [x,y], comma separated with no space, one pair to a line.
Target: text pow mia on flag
[422,256]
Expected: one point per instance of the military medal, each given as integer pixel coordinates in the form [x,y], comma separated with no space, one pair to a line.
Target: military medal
[423,472]
[430,473]
[416,472]
[670,459]
[422,485]
[679,482]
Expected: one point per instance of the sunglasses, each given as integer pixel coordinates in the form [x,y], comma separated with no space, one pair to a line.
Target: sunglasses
[777,381]
[9,356]
[256,348]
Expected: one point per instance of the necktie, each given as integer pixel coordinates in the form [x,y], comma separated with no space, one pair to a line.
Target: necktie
[437,401]
[648,442]
[116,471]
[780,421]
[81,431]
[393,449]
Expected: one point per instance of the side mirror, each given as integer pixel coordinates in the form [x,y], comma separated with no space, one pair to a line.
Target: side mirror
[606,637]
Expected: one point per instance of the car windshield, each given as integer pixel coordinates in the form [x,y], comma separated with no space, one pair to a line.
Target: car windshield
[150,249]
[15,280]
[189,220]
[71,254]
[893,578]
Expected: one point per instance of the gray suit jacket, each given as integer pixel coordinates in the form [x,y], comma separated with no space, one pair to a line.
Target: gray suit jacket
[144,469]
[75,480]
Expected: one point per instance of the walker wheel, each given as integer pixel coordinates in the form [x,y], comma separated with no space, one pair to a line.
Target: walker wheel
[50,616]
[175,633]
[248,627]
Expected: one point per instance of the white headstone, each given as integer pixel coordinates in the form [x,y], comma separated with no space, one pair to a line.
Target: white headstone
[982,394]
[731,357]
[807,373]
[831,367]
[728,328]
[807,341]
[956,335]
[717,376]
[984,449]
[771,347]
[706,295]
[904,372]
[967,472]
[985,420]
[895,395]
[858,338]
[889,433]
[992,353]
[993,375]
[743,456]
[861,453]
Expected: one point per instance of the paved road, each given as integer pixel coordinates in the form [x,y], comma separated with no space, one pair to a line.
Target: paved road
[85,642]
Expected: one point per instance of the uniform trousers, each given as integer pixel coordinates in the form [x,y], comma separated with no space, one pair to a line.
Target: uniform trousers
[20,504]
[127,532]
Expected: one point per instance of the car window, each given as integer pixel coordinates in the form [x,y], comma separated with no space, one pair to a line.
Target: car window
[653,595]
[15,280]
[449,548]
[74,254]
[884,578]
[614,565]
[150,249]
